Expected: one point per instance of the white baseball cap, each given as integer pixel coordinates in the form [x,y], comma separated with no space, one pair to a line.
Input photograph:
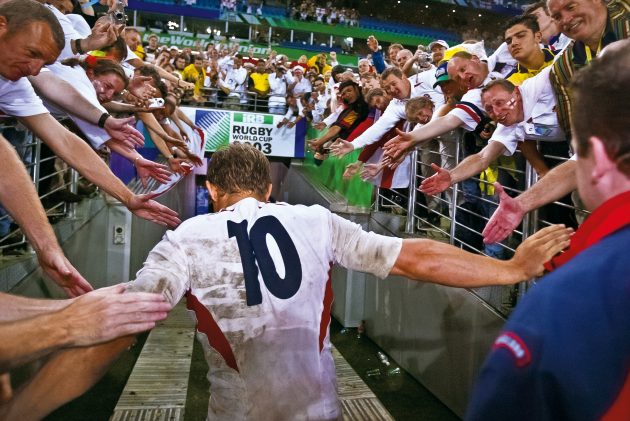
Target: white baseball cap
[438,42]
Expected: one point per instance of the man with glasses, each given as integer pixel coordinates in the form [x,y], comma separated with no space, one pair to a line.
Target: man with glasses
[525,113]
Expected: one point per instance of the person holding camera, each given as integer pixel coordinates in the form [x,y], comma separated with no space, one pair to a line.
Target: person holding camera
[278,90]
[419,62]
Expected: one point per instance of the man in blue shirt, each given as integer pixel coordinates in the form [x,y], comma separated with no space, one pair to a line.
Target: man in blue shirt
[565,351]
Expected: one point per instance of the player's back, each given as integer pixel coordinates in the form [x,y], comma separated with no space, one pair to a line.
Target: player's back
[257,278]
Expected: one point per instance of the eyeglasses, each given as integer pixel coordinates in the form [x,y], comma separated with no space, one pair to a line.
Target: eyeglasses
[500,104]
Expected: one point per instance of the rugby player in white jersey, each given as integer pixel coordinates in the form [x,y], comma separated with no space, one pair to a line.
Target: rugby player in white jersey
[256,275]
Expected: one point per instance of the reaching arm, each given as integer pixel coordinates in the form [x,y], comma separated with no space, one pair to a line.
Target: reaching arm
[472,165]
[405,141]
[137,63]
[76,153]
[558,182]
[99,316]
[67,97]
[183,117]
[19,198]
[440,263]
[407,68]
[330,134]
[534,157]
[120,107]
[144,167]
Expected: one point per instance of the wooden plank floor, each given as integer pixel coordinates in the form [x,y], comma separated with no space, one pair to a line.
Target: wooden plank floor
[156,389]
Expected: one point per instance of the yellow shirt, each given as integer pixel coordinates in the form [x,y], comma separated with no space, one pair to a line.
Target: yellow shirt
[191,74]
[261,81]
[521,73]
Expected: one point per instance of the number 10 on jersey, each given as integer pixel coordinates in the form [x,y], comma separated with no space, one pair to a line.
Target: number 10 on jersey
[255,256]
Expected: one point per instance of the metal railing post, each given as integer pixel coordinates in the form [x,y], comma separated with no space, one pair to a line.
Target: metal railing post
[455,195]
[528,221]
[377,199]
[74,188]
[411,197]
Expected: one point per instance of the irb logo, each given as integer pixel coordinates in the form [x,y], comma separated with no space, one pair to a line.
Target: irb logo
[253,118]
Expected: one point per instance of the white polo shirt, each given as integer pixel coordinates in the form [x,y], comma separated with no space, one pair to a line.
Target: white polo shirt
[540,119]
[277,89]
[18,99]
[303,86]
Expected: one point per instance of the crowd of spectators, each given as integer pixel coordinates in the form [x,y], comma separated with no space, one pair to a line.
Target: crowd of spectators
[329,13]
[397,101]
[244,6]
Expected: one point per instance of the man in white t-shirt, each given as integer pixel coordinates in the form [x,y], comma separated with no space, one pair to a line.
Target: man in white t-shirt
[232,81]
[298,84]
[278,90]
[36,43]
[256,275]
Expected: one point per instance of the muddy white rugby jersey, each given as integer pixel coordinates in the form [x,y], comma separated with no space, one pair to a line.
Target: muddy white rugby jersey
[257,280]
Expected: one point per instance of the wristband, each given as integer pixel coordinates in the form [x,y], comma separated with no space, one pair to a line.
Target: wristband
[77,46]
[101,121]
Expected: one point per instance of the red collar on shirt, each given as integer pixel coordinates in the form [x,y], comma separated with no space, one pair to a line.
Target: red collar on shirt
[608,218]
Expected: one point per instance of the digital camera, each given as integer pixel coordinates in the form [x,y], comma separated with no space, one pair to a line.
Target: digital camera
[118,15]
[156,103]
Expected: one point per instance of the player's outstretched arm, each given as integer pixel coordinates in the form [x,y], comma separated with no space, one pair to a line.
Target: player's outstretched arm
[440,263]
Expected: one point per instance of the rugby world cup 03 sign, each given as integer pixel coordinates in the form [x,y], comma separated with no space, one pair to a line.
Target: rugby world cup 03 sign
[257,129]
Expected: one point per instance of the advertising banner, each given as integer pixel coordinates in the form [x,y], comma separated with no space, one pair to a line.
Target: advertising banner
[222,127]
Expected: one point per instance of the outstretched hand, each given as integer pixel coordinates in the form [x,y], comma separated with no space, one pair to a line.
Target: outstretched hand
[352,170]
[341,147]
[121,130]
[109,313]
[146,168]
[371,171]
[143,206]
[539,248]
[140,87]
[399,145]
[58,268]
[438,182]
[505,219]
